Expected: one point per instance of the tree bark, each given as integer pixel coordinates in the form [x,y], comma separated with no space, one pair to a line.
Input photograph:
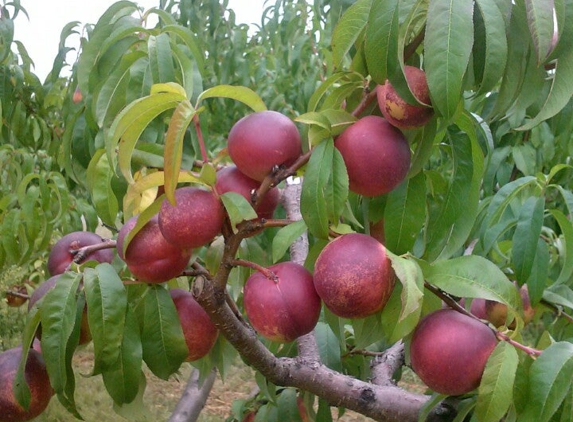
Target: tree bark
[194,398]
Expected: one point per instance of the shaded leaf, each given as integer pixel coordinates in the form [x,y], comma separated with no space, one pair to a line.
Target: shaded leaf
[164,347]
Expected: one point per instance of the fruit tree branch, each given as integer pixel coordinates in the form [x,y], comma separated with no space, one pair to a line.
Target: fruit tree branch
[384,366]
[381,402]
[193,398]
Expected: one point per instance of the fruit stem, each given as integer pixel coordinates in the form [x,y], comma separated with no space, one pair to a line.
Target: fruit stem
[200,138]
[534,353]
[366,101]
[263,270]
[81,253]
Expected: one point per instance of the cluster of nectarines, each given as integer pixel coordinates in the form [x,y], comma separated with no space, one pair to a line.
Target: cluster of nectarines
[353,275]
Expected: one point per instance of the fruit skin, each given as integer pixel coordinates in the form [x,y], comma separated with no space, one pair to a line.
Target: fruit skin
[200,333]
[60,256]
[262,140]
[376,155]
[40,292]
[285,309]
[397,111]
[496,312]
[150,257]
[38,381]
[230,179]
[478,308]
[449,351]
[194,221]
[353,276]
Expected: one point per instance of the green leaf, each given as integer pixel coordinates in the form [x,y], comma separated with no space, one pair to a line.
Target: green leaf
[448,44]
[328,346]
[540,22]
[106,302]
[495,57]
[164,347]
[348,29]
[393,327]
[381,45]
[410,275]
[188,38]
[404,214]
[287,405]
[503,198]
[178,124]
[495,392]
[367,331]
[550,379]
[560,92]
[429,405]
[567,258]
[473,276]
[285,238]
[517,56]
[324,189]
[122,380]
[537,280]
[451,222]
[130,124]
[58,316]
[524,241]
[110,98]
[160,58]
[240,93]
[20,386]
[559,294]
[99,176]
[238,208]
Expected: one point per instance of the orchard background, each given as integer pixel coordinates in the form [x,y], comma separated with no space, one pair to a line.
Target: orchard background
[486,202]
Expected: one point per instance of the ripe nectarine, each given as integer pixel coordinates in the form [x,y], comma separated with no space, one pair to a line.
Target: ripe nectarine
[150,257]
[376,155]
[449,351]
[353,276]
[397,111]
[282,309]
[262,140]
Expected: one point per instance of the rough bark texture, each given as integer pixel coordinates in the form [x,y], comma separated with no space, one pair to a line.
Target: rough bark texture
[194,398]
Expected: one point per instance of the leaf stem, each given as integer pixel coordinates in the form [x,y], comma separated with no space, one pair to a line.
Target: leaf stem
[199,132]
